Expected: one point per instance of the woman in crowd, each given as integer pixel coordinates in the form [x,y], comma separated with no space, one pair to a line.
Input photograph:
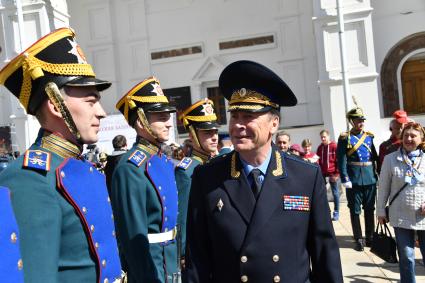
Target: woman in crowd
[309,155]
[407,211]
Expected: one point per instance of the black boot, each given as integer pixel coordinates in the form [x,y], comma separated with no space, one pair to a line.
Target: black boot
[369,220]
[357,232]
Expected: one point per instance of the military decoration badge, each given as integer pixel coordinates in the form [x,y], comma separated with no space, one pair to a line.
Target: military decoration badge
[300,203]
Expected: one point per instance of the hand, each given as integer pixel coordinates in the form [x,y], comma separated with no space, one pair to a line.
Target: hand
[347,185]
[382,220]
[333,179]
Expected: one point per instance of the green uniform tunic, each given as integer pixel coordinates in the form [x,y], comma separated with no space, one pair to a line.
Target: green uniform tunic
[138,212]
[184,171]
[53,243]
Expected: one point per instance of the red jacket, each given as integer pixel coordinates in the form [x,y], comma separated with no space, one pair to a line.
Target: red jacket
[327,161]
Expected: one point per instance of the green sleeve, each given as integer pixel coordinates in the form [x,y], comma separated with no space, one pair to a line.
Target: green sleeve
[342,159]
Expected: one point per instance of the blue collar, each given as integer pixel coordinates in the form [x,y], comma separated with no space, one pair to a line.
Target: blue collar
[247,168]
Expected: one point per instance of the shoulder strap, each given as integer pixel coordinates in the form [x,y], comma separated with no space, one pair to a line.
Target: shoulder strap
[396,195]
[357,145]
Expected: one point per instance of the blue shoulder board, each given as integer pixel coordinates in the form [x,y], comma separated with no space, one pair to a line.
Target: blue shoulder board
[185,163]
[137,157]
[37,159]
[10,260]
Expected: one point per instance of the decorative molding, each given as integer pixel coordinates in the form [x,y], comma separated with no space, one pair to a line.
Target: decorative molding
[208,71]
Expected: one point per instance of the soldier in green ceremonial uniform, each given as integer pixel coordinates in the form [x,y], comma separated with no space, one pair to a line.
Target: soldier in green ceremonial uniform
[357,159]
[60,200]
[200,121]
[143,189]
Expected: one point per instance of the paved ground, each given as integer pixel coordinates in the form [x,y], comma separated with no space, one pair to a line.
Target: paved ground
[363,267]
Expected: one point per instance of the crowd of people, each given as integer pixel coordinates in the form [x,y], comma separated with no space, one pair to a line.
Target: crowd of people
[242,206]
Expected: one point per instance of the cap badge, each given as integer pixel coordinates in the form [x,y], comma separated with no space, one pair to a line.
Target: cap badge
[207,109]
[157,89]
[77,51]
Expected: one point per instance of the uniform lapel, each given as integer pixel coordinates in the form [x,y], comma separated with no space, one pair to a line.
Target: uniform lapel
[238,189]
[270,197]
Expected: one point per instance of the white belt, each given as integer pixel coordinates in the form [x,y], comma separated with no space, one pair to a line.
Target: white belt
[162,237]
[360,163]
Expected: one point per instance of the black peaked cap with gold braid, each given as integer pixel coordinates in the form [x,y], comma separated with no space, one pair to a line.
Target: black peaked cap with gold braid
[54,58]
[147,95]
[252,87]
[201,115]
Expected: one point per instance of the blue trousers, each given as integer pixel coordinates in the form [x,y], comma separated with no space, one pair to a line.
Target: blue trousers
[405,239]
[335,193]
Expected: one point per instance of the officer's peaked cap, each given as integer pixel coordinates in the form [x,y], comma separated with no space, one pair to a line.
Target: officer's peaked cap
[54,58]
[250,86]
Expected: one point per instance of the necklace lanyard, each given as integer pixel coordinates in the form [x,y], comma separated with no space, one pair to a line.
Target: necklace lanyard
[412,173]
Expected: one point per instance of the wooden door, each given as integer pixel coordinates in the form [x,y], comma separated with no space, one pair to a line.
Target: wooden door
[413,82]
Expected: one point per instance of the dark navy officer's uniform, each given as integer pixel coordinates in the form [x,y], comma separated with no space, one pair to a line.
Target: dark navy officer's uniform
[60,201]
[200,116]
[285,233]
[11,265]
[144,196]
[357,159]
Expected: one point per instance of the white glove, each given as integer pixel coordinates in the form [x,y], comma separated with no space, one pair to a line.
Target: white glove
[347,185]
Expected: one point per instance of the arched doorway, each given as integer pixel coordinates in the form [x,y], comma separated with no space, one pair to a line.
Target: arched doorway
[399,76]
[413,84]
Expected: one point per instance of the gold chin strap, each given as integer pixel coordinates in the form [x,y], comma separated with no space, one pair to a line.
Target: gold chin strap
[56,98]
[145,123]
[195,136]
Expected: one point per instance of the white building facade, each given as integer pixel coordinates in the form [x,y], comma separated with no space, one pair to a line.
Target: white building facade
[187,43]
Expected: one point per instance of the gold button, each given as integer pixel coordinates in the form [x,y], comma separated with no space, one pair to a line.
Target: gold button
[13,237]
[104,263]
[20,264]
[92,228]
[106,280]
[96,245]
[244,259]
[84,209]
[63,174]
[276,278]
[275,258]
[244,278]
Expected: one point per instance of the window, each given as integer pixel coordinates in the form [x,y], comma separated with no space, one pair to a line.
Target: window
[176,52]
[180,98]
[247,42]
[215,95]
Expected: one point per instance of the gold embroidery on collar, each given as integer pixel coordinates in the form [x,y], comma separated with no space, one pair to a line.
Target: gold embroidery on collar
[151,149]
[279,170]
[233,172]
[200,156]
[60,146]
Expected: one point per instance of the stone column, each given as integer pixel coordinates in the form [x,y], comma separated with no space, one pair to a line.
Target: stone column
[361,68]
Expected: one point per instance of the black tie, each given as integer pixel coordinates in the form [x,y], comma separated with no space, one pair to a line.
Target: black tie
[256,184]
